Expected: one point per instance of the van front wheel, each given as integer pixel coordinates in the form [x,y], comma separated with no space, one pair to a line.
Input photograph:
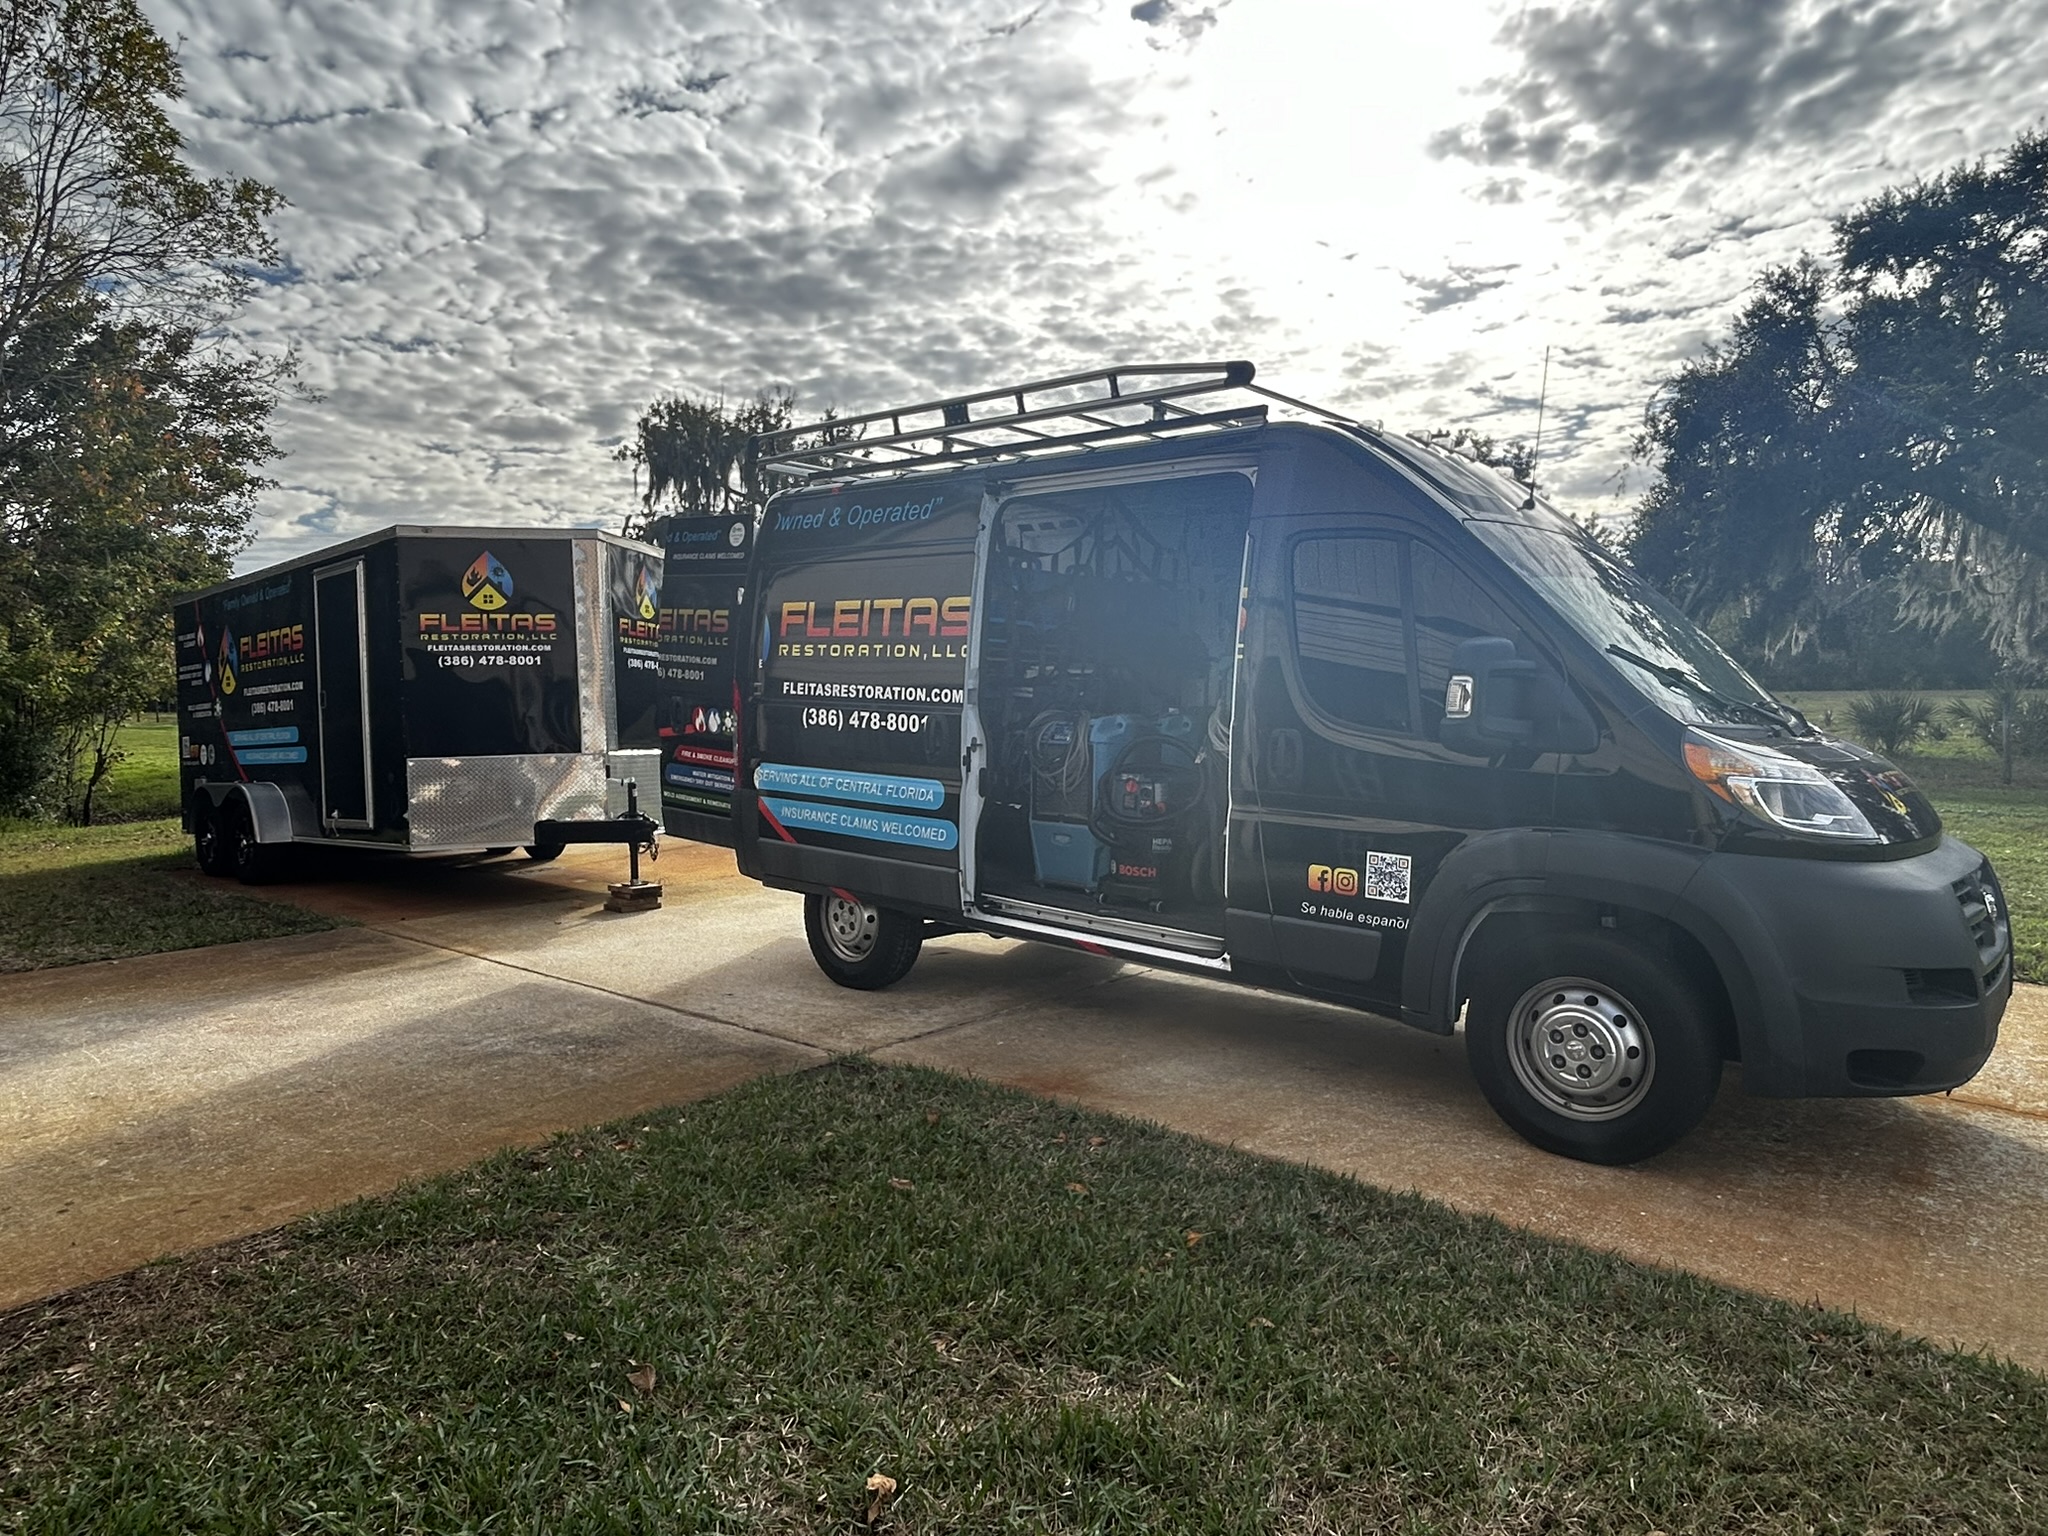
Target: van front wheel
[1590,1046]
[860,946]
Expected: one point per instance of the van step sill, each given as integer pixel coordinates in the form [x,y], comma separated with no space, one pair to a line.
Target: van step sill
[1205,945]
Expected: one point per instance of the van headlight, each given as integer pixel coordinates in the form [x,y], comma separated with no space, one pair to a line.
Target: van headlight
[1782,790]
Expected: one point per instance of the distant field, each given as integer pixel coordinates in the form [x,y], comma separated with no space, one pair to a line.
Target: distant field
[145,785]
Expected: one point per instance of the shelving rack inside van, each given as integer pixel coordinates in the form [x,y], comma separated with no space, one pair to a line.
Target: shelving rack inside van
[1076,411]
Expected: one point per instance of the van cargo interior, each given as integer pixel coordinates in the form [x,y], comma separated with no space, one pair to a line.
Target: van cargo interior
[1106,672]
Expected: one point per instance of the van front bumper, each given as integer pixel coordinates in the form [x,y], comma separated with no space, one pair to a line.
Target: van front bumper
[1863,979]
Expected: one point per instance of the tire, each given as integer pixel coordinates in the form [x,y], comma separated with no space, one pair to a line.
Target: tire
[1637,1059]
[541,853]
[210,842]
[253,863]
[860,946]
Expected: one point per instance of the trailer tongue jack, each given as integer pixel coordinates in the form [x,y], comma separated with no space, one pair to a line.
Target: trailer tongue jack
[636,829]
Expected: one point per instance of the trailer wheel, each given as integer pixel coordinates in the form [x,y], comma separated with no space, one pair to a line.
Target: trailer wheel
[540,853]
[1590,1046]
[210,842]
[254,863]
[860,946]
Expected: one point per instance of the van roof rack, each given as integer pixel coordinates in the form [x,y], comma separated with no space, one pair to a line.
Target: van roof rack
[1077,411]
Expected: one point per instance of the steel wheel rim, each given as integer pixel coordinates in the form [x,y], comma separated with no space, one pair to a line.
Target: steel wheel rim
[1579,1047]
[207,851]
[851,928]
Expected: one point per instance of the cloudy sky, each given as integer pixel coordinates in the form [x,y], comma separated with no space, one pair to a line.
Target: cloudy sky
[515,222]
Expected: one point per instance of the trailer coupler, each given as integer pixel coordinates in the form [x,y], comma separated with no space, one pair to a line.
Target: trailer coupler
[636,829]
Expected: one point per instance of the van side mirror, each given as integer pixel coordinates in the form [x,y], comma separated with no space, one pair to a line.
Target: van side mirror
[1498,702]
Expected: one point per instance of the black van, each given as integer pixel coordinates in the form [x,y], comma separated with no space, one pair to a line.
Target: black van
[1124,662]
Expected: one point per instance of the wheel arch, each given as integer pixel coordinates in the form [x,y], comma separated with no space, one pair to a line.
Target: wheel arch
[1514,881]
[1514,919]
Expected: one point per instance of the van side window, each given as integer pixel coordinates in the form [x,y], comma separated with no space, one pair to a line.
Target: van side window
[1348,631]
[1449,608]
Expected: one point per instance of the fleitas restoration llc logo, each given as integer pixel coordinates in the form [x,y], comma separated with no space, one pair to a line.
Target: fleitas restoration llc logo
[489,633]
[230,662]
[643,624]
[488,588]
[875,628]
[487,585]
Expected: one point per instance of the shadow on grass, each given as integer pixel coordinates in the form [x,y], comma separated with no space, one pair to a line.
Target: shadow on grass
[67,913]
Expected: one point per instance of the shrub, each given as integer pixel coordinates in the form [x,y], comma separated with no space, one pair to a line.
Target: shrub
[1888,722]
[1983,719]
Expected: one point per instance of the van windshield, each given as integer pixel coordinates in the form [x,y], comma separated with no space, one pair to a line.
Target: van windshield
[1662,653]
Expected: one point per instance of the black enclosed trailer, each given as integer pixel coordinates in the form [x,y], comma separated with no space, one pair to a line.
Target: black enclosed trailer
[422,689]
[703,588]
[1119,661]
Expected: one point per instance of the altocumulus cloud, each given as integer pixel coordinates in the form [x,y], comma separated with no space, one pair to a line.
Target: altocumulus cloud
[1619,90]
[511,225]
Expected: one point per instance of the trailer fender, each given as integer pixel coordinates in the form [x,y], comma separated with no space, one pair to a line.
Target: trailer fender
[269,812]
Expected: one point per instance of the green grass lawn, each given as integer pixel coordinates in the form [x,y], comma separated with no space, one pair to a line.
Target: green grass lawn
[145,783]
[728,1318]
[71,894]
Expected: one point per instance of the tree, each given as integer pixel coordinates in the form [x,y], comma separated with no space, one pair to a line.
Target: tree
[1736,524]
[129,432]
[693,449]
[694,452]
[1874,431]
[1513,456]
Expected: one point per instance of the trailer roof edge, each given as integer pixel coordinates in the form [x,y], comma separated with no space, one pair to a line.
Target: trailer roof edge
[347,547]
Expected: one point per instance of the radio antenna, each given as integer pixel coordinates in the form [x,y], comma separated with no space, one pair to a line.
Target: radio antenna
[1535,452]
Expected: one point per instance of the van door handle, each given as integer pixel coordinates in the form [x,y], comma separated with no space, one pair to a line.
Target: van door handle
[1283,759]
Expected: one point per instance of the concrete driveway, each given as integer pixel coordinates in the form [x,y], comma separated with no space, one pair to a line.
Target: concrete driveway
[154,1105]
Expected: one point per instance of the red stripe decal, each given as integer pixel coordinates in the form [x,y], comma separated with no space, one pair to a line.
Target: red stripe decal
[783,832]
[769,816]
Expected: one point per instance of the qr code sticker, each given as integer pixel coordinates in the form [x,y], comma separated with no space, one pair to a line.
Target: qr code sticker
[1386,876]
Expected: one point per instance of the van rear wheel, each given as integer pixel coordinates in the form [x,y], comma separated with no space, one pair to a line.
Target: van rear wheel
[1591,1046]
[860,946]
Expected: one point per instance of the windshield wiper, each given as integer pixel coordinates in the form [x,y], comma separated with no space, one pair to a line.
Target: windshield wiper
[1769,713]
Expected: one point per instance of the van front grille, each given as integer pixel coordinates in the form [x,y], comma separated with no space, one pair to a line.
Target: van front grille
[1983,914]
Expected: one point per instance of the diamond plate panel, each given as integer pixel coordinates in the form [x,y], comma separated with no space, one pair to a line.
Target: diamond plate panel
[493,802]
[643,766]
